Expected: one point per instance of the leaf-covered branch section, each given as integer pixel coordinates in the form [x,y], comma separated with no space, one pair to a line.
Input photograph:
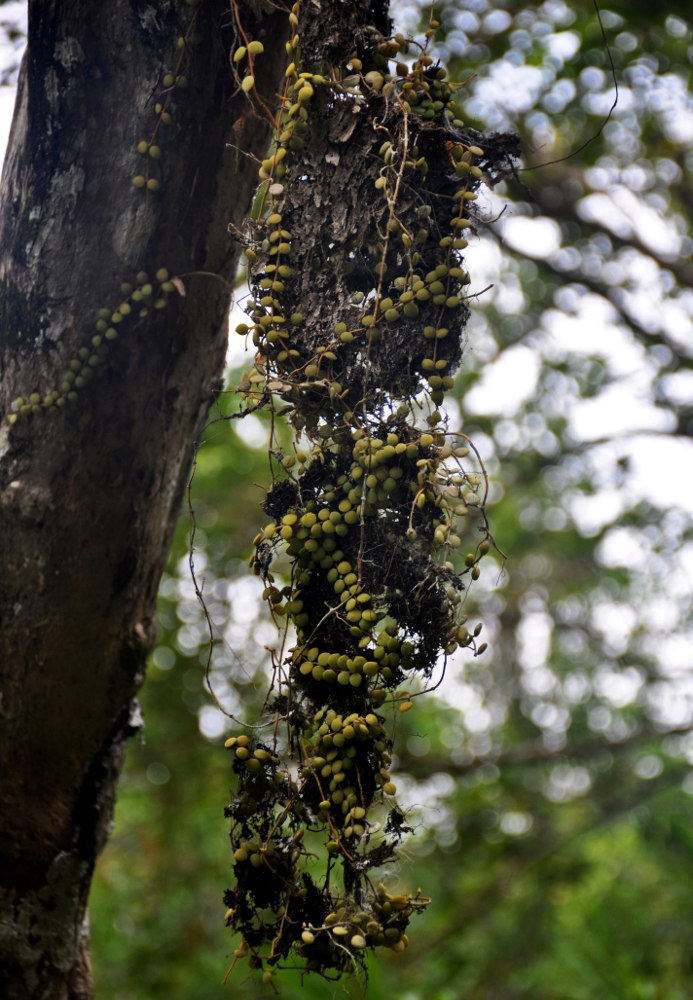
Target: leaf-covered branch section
[357,311]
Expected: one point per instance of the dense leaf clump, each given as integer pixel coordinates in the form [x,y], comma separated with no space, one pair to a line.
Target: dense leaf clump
[357,311]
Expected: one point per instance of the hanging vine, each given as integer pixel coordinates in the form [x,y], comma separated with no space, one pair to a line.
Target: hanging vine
[357,310]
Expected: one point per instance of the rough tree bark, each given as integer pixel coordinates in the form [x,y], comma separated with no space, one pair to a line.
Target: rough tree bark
[89,495]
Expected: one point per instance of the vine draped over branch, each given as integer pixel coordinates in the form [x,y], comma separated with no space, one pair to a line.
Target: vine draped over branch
[357,311]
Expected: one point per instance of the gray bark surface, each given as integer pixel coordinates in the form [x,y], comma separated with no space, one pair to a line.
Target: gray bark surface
[89,495]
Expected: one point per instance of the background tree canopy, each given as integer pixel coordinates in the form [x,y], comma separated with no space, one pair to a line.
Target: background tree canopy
[548,781]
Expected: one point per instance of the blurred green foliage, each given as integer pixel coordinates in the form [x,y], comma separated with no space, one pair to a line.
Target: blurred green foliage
[548,781]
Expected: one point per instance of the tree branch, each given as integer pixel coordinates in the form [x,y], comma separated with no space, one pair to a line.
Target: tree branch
[89,495]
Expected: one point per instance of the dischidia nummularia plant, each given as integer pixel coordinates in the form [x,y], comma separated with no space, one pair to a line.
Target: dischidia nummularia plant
[146,290]
[357,311]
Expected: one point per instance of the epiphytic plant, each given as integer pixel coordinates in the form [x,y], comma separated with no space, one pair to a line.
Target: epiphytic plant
[357,311]
[140,293]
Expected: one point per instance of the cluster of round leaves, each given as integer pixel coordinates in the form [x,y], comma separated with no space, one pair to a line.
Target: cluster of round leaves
[137,300]
[274,820]
[243,52]
[394,491]
[410,303]
[358,637]
[138,297]
[358,328]
[171,81]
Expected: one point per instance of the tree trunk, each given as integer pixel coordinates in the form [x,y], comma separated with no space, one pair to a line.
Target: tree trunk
[89,492]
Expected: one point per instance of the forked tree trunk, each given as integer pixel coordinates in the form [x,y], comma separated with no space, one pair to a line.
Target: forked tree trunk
[89,494]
